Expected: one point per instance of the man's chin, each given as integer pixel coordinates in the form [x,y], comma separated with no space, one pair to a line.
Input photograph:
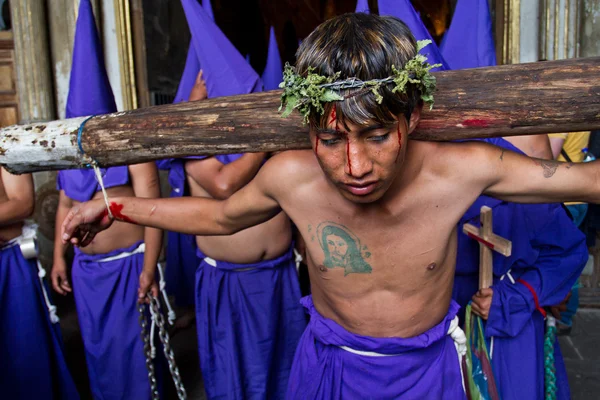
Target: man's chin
[362,199]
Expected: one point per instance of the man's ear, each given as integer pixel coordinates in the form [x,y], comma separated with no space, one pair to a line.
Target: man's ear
[415,117]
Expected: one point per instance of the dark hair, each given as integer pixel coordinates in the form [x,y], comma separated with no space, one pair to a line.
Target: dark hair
[362,46]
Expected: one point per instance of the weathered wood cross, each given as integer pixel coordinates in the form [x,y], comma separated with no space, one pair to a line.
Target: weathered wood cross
[488,241]
[523,99]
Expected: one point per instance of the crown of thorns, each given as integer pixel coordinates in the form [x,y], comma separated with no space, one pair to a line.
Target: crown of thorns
[309,93]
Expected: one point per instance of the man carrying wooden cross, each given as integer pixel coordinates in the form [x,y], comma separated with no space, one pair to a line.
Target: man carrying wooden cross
[378,213]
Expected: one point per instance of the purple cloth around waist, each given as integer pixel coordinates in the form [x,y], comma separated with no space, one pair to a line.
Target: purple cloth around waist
[274,263]
[106,299]
[424,366]
[81,185]
[33,364]
[249,324]
[330,332]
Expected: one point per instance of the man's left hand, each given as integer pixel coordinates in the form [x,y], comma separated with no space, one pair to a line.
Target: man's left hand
[147,284]
[481,302]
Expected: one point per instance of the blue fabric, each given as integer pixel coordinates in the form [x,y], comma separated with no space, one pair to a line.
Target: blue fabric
[362,6]
[469,42]
[404,10]
[208,8]
[226,72]
[249,323]
[33,363]
[273,74]
[578,212]
[89,94]
[549,253]
[106,301]
[566,317]
[422,367]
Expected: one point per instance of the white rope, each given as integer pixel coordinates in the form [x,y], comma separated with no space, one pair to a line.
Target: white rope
[460,343]
[101,183]
[152,330]
[298,259]
[51,307]
[162,285]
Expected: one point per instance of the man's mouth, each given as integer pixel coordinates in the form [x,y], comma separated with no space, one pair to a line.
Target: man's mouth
[361,189]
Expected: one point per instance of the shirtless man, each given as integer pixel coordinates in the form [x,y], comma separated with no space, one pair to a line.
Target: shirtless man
[30,341]
[247,289]
[108,276]
[398,200]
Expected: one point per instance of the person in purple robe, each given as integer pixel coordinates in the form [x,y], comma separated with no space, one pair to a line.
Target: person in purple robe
[248,313]
[387,329]
[32,360]
[118,268]
[548,253]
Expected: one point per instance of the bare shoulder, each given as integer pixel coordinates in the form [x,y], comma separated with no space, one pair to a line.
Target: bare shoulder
[448,158]
[296,165]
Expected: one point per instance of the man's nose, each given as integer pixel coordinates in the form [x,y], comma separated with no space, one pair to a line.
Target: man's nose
[358,162]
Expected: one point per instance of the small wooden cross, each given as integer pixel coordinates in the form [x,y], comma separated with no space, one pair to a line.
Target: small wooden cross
[488,241]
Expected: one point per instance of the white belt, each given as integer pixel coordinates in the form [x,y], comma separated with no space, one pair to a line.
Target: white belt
[455,332]
[212,262]
[140,249]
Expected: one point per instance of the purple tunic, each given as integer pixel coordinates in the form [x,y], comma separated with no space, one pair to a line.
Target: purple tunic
[548,253]
[422,367]
[106,299]
[33,364]
[81,185]
[249,323]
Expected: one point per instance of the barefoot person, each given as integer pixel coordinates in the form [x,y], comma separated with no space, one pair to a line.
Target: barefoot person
[383,324]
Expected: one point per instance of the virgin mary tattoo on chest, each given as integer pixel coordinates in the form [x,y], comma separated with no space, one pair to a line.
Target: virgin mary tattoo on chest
[342,249]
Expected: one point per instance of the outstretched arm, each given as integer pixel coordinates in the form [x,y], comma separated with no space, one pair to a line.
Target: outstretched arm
[513,177]
[253,204]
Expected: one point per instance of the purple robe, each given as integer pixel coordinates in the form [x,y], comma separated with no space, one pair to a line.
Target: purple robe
[404,10]
[32,362]
[548,253]
[106,298]
[249,323]
[422,367]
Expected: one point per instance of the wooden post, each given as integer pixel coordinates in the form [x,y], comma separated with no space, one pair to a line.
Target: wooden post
[523,99]
[488,241]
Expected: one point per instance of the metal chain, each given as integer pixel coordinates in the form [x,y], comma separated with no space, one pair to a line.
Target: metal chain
[159,319]
[147,351]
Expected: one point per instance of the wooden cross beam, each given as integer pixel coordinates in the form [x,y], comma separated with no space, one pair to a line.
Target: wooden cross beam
[522,99]
[488,241]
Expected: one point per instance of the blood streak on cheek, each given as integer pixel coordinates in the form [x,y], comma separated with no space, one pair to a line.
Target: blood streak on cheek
[116,210]
[348,153]
[399,142]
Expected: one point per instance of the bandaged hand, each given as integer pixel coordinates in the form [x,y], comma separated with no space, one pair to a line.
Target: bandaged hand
[481,302]
[84,222]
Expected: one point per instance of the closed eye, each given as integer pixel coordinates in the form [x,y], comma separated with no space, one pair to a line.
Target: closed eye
[329,142]
[379,138]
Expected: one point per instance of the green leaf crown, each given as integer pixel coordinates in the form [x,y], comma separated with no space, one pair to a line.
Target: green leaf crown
[306,93]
